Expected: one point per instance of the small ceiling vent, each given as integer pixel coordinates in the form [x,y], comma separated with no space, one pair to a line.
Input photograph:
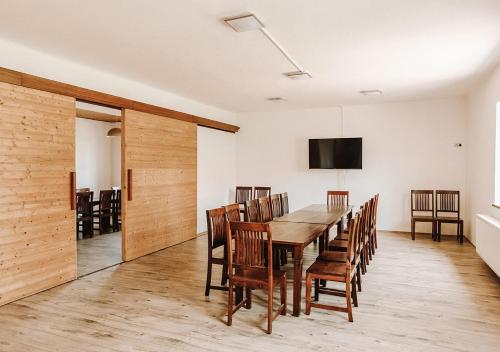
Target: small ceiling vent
[276,99]
[298,75]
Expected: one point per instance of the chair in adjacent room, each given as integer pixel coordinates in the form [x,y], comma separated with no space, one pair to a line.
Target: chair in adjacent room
[243,193]
[284,203]
[248,270]
[117,209]
[448,212]
[216,234]
[84,214]
[422,210]
[341,272]
[252,211]
[103,214]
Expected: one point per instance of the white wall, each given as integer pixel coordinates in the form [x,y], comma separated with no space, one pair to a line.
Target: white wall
[405,145]
[24,59]
[216,171]
[481,106]
[97,156]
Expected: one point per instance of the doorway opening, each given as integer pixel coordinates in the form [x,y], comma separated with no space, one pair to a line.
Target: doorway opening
[98,187]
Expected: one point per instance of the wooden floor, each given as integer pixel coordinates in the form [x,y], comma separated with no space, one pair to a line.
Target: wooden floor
[100,251]
[417,296]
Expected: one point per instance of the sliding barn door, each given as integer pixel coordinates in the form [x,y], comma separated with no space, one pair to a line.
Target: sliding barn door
[37,224]
[159,182]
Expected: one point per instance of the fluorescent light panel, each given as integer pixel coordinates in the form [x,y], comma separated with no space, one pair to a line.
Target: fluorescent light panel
[244,23]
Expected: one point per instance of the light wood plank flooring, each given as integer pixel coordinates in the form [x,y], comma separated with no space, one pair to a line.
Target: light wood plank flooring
[100,251]
[417,296]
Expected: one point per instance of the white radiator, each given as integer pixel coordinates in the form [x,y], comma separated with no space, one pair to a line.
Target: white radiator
[488,241]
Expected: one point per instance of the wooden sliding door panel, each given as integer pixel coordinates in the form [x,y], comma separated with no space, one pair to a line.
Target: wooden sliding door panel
[37,225]
[161,154]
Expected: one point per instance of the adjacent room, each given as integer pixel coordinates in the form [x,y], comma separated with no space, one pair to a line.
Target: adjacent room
[250,175]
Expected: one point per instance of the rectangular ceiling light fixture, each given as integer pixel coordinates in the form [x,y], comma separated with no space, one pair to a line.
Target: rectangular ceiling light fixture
[370,92]
[244,23]
[298,75]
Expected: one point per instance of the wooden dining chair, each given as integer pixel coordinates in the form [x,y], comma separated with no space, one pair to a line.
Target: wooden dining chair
[277,211]
[117,209]
[243,193]
[337,198]
[216,235]
[341,256]
[284,203]
[340,242]
[265,211]
[252,211]
[233,212]
[422,210]
[84,216]
[103,214]
[248,269]
[343,272]
[448,212]
[373,224]
[259,192]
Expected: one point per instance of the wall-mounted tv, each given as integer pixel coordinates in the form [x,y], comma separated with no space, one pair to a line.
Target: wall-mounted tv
[336,153]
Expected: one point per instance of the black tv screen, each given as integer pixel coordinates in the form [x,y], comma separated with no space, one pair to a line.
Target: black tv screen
[335,153]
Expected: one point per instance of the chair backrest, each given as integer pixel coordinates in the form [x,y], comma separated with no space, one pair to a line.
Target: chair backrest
[374,211]
[105,199]
[233,212]
[276,206]
[252,211]
[353,237]
[117,200]
[337,198]
[259,192]
[365,221]
[84,203]
[265,211]
[243,193]
[216,228]
[251,242]
[284,203]
[448,202]
[422,201]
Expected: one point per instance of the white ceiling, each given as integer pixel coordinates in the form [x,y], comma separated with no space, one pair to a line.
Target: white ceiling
[408,49]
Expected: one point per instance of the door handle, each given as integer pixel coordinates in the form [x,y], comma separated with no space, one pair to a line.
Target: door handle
[129,184]
[72,190]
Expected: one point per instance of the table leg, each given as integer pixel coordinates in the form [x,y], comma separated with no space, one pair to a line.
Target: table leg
[297,279]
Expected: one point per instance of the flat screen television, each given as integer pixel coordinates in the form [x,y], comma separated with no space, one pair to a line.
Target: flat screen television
[336,153]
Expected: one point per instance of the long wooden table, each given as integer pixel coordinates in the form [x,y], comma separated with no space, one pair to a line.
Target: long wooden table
[297,230]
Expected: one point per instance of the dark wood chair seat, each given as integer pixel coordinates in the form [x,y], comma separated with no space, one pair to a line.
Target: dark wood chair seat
[258,278]
[422,218]
[343,236]
[333,256]
[329,270]
[337,245]
[448,219]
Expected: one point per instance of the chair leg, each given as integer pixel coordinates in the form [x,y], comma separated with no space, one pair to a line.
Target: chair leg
[283,296]
[375,234]
[224,278]
[248,294]
[209,278]
[439,232]
[458,231]
[348,299]
[370,249]
[316,289]
[462,232]
[270,309]
[230,305]
[308,293]
[354,291]
[358,280]
[413,230]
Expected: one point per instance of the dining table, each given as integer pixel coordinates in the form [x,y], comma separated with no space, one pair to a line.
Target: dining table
[296,230]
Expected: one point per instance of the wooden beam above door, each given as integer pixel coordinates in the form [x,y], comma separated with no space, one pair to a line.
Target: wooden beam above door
[98,116]
[92,96]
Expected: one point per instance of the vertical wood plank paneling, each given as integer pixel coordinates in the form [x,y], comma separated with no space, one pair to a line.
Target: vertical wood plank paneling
[37,225]
[161,153]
